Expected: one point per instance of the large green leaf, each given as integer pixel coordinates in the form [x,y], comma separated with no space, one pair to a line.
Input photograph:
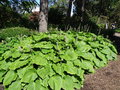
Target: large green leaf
[58,68]
[77,62]
[7,54]
[39,60]
[16,54]
[2,72]
[39,37]
[52,57]
[34,86]
[15,86]
[17,64]
[101,56]
[87,66]
[5,65]
[69,68]
[87,55]
[29,76]
[9,77]
[97,62]
[22,71]
[46,45]
[68,83]
[43,72]
[55,82]
[47,51]
[70,54]
[113,48]
[80,73]
[82,46]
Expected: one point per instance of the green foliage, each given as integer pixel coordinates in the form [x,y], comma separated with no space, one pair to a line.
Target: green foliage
[14,31]
[117,30]
[52,61]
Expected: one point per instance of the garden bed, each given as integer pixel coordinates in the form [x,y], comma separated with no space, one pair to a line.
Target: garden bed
[107,78]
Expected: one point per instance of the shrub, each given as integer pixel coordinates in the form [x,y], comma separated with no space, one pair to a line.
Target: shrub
[14,31]
[52,61]
[117,30]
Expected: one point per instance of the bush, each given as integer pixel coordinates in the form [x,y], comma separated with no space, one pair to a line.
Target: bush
[117,30]
[52,61]
[13,32]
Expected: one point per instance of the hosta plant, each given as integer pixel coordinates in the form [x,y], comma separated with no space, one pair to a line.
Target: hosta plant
[52,61]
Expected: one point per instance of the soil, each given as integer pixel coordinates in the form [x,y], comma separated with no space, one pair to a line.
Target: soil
[107,78]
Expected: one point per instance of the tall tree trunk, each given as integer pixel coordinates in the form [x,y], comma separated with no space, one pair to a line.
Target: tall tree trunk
[43,17]
[83,10]
[69,8]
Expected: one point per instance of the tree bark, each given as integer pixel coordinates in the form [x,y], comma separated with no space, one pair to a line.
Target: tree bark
[83,10]
[43,16]
[69,8]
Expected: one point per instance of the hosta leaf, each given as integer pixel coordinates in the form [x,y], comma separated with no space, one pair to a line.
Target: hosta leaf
[17,64]
[55,82]
[24,56]
[39,60]
[16,54]
[52,57]
[58,69]
[77,62]
[113,48]
[80,73]
[1,58]
[5,65]
[69,68]
[7,54]
[68,83]
[29,76]
[97,62]
[41,45]
[87,66]
[70,54]
[2,72]
[82,46]
[47,51]
[69,38]
[45,81]
[39,37]
[88,56]
[101,56]
[15,86]
[34,86]
[43,72]
[94,44]
[22,71]
[77,85]
[9,77]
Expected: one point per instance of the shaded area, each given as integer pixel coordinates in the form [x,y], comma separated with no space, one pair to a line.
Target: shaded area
[116,40]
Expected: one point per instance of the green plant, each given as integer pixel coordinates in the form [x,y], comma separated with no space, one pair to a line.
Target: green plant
[117,30]
[52,61]
[13,32]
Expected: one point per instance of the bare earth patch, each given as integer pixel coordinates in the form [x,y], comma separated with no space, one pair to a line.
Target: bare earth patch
[107,78]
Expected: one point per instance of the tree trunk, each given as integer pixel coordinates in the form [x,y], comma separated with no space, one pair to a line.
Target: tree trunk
[43,16]
[69,8]
[83,10]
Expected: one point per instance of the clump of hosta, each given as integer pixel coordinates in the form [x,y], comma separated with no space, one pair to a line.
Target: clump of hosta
[52,61]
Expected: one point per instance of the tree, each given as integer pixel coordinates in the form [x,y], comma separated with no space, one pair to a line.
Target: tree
[43,16]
